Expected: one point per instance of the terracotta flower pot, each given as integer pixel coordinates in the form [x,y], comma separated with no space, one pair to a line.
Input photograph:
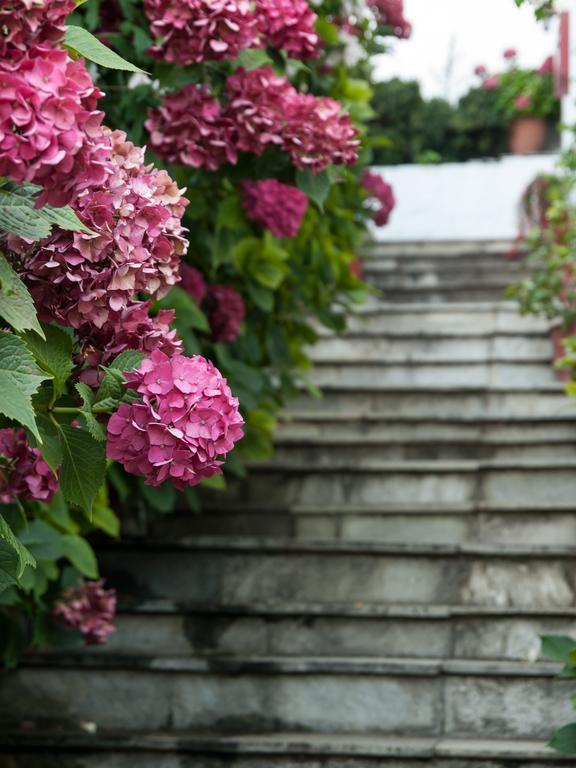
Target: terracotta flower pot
[527,135]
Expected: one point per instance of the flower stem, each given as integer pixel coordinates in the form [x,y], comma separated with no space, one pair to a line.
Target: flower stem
[59,409]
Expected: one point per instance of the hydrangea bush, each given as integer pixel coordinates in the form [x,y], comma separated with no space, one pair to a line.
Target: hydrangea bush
[157,304]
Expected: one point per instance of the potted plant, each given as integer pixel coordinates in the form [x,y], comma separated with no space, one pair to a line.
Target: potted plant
[527,102]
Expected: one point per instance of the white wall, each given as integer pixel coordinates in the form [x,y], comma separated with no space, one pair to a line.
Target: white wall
[459,201]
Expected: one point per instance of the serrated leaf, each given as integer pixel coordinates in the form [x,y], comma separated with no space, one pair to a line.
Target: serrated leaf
[9,537]
[65,218]
[20,378]
[81,555]
[84,43]
[564,740]
[127,361]
[112,387]
[50,447]
[53,354]
[558,647]
[17,216]
[105,405]
[83,467]
[16,305]
[93,426]
[9,565]
[252,58]
[315,186]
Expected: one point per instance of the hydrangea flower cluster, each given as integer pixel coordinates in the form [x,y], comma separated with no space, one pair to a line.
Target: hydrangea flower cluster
[289,25]
[23,472]
[193,31]
[276,206]
[383,194]
[82,279]
[391,13]
[186,421]
[50,131]
[225,310]
[262,109]
[88,608]
[27,23]
[190,128]
[134,328]
[192,281]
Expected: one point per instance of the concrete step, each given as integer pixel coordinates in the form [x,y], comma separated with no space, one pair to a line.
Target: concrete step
[372,452]
[474,250]
[428,349]
[364,375]
[438,482]
[414,697]
[379,316]
[432,279]
[284,750]
[470,293]
[339,403]
[168,629]
[520,527]
[215,573]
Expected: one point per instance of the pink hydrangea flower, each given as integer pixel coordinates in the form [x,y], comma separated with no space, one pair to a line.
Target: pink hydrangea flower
[262,110]
[259,102]
[381,192]
[50,131]
[491,83]
[193,31]
[81,278]
[88,608]
[289,25]
[28,23]
[523,101]
[510,53]
[23,472]
[187,420]
[192,281]
[190,128]
[276,206]
[133,328]
[391,14]
[547,67]
[480,70]
[318,134]
[226,310]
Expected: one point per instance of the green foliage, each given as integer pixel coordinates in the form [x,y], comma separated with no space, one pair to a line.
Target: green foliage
[20,378]
[82,43]
[435,131]
[19,216]
[16,305]
[562,649]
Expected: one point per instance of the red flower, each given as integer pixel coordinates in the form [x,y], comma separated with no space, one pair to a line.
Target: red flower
[289,25]
[193,31]
[90,609]
[225,310]
[278,207]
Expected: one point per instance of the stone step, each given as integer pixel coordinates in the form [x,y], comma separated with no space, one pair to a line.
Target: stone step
[522,527]
[215,573]
[422,349]
[368,452]
[364,376]
[466,293]
[438,249]
[414,697]
[438,482]
[76,749]
[445,280]
[306,630]
[345,403]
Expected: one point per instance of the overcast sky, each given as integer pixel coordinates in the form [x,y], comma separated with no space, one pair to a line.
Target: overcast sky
[451,37]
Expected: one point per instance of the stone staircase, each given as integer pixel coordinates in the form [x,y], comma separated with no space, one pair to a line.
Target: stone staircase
[374,595]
